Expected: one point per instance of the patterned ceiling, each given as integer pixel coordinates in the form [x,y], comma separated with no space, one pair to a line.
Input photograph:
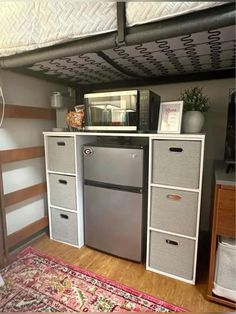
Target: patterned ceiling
[212,50]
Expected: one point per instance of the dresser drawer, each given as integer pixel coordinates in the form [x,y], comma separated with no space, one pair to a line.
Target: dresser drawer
[62,191]
[64,226]
[176,163]
[171,254]
[174,210]
[61,154]
[226,216]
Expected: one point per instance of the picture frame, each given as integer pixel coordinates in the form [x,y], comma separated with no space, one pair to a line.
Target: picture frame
[170,117]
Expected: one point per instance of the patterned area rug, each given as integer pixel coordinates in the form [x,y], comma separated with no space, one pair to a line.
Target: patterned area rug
[38,283]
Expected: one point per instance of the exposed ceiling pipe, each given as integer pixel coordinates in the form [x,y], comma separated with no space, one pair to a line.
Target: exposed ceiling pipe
[204,20]
[81,46]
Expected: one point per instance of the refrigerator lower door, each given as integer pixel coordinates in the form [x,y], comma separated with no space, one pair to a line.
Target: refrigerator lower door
[113,221]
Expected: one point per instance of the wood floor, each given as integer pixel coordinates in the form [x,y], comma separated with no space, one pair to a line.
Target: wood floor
[134,275]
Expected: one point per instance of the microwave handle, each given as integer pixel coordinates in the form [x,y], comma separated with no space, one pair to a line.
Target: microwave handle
[87,119]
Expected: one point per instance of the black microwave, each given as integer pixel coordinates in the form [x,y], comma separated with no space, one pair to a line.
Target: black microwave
[127,111]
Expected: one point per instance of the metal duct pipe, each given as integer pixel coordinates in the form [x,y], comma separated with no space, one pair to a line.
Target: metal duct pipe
[182,25]
[86,45]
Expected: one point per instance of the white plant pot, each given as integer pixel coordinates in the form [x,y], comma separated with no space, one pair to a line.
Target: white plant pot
[193,121]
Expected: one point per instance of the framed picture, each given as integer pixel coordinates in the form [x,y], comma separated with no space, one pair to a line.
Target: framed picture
[170,117]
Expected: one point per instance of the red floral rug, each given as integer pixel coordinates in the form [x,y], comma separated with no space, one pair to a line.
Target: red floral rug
[38,283]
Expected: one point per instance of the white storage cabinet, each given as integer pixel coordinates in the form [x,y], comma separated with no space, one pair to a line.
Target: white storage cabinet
[175,183]
[63,155]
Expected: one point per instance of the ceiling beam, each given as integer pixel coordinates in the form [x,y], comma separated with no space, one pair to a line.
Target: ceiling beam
[212,75]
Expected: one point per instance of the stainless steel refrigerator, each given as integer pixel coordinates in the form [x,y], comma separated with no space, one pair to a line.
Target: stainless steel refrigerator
[115,199]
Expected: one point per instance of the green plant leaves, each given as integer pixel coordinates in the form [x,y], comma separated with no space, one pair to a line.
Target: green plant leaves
[194,99]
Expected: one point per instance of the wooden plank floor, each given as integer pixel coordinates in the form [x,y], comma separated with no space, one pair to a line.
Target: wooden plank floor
[134,275]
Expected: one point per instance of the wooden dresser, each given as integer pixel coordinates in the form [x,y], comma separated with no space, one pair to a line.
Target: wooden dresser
[224,219]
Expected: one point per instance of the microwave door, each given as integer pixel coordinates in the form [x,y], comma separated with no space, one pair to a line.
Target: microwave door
[109,111]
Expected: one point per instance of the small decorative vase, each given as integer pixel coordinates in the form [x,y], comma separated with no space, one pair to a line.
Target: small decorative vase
[193,121]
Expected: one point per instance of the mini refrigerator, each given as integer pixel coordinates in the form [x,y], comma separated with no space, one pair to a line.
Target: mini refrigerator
[115,199]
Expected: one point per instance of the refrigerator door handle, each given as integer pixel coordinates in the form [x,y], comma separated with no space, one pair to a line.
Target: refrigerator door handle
[114,186]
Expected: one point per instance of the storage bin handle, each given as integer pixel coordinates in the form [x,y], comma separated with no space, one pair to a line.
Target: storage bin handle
[176,149]
[64,216]
[174,197]
[168,241]
[61,143]
[62,181]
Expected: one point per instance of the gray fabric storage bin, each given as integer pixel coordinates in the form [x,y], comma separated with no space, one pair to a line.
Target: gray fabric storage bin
[64,226]
[172,259]
[61,154]
[62,191]
[176,163]
[174,210]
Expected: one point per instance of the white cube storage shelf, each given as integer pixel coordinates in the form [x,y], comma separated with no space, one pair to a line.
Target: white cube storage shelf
[63,156]
[174,198]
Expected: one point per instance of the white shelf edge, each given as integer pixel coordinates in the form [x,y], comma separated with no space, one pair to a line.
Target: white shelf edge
[182,136]
[172,233]
[63,208]
[74,245]
[61,134]
[62,173]
[170,275]
[156,135]
[174,187]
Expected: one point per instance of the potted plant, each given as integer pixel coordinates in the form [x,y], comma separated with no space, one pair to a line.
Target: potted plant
[195,103]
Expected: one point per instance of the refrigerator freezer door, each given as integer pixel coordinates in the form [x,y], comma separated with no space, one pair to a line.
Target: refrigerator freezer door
[113,222]
[112,165]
